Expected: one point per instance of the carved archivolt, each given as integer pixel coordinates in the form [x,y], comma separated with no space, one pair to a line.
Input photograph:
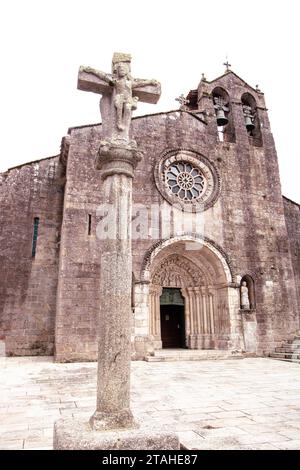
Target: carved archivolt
[177,271]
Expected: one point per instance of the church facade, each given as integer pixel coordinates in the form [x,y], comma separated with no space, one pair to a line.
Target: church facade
[216,254]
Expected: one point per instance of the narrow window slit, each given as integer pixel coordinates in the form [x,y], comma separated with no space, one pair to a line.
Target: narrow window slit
[35,235]
[90,224]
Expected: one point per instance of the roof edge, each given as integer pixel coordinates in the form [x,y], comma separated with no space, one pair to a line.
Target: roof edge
[231,71]
[28,163]
[290,200]
[70,129]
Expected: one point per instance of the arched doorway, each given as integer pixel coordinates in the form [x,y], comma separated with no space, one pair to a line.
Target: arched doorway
[203,279]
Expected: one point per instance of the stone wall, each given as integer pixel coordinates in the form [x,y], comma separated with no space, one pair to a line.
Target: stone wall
[292,218]
[28,284]
[80,253]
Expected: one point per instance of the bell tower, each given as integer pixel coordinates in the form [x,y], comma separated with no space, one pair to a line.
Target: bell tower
[241,145]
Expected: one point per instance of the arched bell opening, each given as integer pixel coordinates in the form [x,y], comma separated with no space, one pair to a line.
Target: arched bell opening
[223,112]
[251,119]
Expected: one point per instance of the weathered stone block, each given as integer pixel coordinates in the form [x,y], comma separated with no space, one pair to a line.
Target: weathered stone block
[71,434]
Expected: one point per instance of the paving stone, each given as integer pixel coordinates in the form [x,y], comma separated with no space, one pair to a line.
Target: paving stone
[262,438]
[288,445]
[15,444]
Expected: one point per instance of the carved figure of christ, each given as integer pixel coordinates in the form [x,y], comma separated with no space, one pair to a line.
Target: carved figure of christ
[120,93]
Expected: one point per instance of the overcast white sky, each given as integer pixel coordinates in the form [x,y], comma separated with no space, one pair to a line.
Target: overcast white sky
[43,42]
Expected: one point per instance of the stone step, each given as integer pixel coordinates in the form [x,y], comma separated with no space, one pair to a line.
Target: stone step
[296,361]
[296,340]
[167,355]
[287,355]
[288,348]
[288,351]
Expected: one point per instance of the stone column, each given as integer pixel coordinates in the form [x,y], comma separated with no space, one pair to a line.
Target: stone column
[154,315]
[203,290]
[117,163]
[211,311]
[185,295]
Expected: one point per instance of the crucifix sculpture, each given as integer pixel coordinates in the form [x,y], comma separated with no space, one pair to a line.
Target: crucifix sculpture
[120,94]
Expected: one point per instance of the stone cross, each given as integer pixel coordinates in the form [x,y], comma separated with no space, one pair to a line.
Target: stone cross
[183,101]
[120,94]
[112,426]
[227,65]
[117,158]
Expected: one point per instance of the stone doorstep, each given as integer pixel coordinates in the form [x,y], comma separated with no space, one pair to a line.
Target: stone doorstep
[163,355]
[71,434]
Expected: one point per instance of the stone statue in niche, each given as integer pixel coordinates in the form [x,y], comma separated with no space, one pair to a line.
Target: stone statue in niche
[121,94]
[245,302]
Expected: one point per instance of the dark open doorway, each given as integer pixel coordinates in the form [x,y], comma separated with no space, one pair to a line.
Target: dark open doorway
[172,319]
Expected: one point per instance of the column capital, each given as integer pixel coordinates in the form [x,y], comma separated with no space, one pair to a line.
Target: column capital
[155,289]
[117,157]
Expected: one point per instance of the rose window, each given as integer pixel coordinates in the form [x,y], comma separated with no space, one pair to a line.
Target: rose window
[185,181]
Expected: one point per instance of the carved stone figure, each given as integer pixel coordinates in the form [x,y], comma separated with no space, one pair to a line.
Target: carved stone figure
[245,302]
[120,94]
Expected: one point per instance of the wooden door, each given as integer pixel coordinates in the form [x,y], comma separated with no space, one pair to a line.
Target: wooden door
[172,326]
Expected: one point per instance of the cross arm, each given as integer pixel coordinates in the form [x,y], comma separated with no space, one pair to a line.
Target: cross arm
[147,91]
[90,79]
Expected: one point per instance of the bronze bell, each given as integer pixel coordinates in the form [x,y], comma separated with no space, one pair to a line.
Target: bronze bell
[221,118]
[249,124]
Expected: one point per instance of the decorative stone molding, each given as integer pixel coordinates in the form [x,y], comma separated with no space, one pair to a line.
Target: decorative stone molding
[115,157]
[187,237]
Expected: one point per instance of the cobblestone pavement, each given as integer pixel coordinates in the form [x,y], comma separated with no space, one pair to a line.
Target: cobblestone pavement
[230,404]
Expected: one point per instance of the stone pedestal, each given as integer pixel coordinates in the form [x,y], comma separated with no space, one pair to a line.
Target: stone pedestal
[71,434]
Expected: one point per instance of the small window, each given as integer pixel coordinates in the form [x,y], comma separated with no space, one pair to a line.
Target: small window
[35,235]
[89,224]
